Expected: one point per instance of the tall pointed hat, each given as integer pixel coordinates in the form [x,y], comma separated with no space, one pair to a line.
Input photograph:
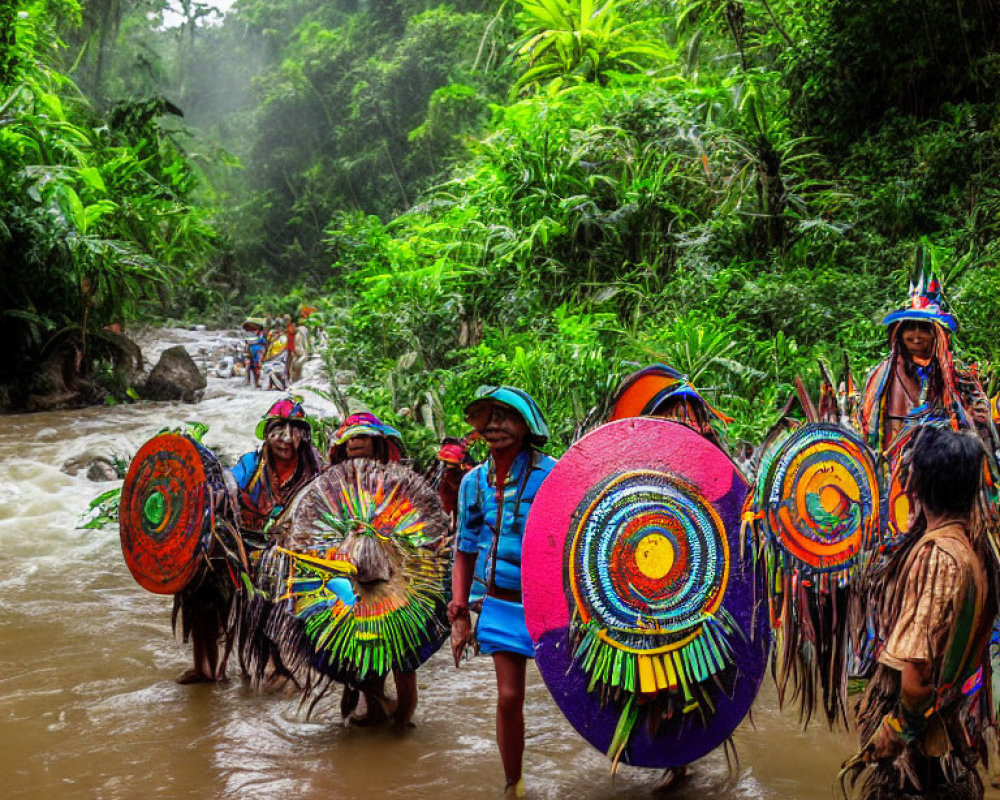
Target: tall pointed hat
[927,304]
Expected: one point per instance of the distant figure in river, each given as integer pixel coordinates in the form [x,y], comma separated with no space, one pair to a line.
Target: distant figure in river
[255,348]
[493,506]
[302,347]
[363,435]
[923,714]
[921,379]
[289,347]
[663,392]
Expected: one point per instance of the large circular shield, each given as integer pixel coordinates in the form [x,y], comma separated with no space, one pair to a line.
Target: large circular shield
[637,594]
[362,565]
[818,497]
[166,515]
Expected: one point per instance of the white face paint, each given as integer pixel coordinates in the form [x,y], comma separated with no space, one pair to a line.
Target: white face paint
[283,440]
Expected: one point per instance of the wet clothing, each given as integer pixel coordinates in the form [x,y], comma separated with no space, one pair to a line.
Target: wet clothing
[945,582]
[262,495]
[502,628]
[491,522]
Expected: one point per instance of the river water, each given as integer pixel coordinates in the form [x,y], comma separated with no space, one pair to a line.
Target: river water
[89,707]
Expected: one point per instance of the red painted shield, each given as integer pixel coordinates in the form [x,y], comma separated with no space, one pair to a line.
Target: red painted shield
[166,513]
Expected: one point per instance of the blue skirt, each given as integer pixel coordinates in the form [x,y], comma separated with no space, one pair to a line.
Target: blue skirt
[502,629]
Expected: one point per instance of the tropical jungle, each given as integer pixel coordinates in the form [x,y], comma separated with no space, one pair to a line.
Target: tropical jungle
[544,193]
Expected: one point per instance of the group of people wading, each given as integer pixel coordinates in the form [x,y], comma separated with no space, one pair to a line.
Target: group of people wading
[931,599]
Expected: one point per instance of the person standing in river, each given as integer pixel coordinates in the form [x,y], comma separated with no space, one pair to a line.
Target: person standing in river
[493,504]
[921,379]
[364,435]
[663,392]
[923,714]
[269,477]
[290,331]
[266,479]
[454,461]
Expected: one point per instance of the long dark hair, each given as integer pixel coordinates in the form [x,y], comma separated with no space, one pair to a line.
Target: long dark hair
[936,384]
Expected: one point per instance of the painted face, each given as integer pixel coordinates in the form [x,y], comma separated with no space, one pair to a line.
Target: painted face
[918,339]
[361,446]
[283,439]
[505,429]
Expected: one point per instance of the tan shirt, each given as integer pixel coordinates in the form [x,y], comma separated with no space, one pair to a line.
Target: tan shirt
[937,575]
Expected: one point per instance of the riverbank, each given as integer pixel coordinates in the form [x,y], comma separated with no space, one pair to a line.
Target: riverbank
[60,384]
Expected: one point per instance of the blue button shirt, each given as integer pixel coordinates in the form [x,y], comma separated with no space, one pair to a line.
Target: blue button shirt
[478,513]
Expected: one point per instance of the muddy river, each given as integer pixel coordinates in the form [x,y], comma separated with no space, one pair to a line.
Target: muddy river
[89,707]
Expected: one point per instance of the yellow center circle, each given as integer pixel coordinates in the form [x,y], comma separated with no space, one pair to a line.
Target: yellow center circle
[654,556]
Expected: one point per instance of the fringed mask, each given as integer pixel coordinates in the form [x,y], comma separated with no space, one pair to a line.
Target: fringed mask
[363,564]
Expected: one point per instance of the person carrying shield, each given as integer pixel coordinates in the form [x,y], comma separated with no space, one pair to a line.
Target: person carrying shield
[266,480]
[269,477]
[921,379]
[661,391]
[493,503]
[923,714]
[364,435]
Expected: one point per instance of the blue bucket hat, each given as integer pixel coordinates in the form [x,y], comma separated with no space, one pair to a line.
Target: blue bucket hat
[476,413]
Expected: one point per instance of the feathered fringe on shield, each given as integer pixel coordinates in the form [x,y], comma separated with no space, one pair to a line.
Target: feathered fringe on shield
[813,523]
[637,597]
[355,584]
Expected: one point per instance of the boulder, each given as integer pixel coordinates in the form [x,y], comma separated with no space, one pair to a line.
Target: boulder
[102,470]
[126,357]
[175,377]
[95,468]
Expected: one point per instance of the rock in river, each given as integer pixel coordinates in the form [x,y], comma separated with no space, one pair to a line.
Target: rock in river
[175,377]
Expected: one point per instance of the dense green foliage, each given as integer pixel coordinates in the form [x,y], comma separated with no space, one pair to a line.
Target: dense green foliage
[551,192]
[94,212]
[700,211]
